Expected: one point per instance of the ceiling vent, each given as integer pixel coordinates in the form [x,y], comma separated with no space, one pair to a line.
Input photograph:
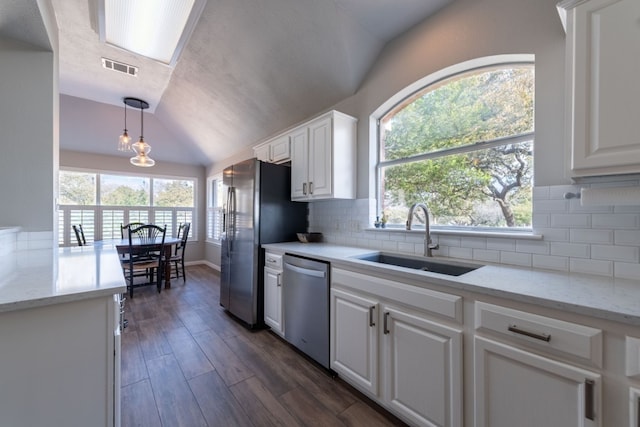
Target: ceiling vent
[120,67]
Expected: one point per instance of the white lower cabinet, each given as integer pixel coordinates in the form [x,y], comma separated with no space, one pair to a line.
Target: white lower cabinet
[59,364]
[422,363]
[354,339]
[519,388]
[273,314]
[400,357]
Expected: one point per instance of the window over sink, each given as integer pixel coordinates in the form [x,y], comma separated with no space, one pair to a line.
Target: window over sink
[462,143]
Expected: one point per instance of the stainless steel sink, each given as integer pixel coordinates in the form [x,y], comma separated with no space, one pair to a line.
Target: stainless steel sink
[442,267]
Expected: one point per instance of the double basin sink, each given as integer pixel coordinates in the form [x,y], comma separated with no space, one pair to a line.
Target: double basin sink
[423,264]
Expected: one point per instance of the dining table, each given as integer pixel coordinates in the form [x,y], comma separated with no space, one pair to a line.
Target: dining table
[122,247]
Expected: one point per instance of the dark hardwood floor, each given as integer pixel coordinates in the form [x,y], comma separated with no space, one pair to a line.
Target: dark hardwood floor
[185,362]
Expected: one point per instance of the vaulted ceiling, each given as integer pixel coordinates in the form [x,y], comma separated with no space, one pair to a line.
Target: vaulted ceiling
[250,69]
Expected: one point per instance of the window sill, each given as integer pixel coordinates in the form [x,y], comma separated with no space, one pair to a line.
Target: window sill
[524,235]
[214,242]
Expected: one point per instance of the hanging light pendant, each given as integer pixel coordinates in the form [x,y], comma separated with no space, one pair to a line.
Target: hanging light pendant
[124,142]
[141,148]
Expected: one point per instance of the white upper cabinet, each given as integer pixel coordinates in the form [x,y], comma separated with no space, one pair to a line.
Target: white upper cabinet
[603,65]
[323,158]
[275,150]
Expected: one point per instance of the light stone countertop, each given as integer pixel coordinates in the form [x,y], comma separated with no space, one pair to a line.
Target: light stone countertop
[33,278]
[597,296]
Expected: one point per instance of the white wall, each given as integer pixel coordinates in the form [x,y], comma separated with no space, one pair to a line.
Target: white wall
[28,136]
[101,162]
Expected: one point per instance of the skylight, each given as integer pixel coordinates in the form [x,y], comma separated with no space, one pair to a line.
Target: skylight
[157,29]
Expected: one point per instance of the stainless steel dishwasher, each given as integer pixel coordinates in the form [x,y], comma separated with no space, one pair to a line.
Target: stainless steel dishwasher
[305,284]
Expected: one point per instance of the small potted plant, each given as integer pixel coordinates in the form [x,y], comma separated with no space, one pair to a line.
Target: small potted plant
[383,220]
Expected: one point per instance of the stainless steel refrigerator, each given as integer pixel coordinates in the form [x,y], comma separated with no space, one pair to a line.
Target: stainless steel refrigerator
[258,210]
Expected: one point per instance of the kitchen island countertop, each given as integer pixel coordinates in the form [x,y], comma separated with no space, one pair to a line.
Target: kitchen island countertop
[33,278]
[598,296]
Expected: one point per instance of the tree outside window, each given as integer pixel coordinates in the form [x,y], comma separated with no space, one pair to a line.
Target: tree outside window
[464,147]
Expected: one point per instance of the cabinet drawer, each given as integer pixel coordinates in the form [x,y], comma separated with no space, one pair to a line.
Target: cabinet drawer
[553,335]
[444,305]
[273,260]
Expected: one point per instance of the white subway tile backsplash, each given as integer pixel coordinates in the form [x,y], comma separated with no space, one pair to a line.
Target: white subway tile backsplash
[576,206]
[627,270]
[552,206]
[600,240]
[550,262]
[486,255]
[474,242]
[553,234]
[464,253]
[389,245]
[627,237]
[407,247]
[500,244]
[557,192]
[570,220]
[449,240]
[570,249]
[615,221]
[532,246]
[626,209]
[616,253]
[590,266]
[586,235]
[514,258]
[541,220]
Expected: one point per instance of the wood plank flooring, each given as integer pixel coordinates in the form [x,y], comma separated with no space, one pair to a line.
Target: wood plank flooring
[185,362]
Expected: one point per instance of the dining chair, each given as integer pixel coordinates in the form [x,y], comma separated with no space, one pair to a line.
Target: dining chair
[77,229]
[146,257]
[124,228]
[177,259]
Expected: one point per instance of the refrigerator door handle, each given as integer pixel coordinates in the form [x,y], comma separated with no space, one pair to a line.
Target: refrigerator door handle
[232,222]
[225,225]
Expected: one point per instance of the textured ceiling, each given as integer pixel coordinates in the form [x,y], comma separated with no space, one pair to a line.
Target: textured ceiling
[250,69]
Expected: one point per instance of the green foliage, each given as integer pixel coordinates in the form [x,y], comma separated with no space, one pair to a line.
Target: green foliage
[172,193]
[77,188]
[123,195]
[464,188]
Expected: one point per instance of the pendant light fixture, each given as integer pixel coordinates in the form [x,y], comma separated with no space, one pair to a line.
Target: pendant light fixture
[140,147]
[124,142]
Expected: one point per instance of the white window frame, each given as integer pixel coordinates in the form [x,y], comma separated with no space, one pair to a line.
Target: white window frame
[214,212]
[67,238]
[446,73]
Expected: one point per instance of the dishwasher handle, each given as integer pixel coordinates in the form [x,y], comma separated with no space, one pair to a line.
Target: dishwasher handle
[305,271]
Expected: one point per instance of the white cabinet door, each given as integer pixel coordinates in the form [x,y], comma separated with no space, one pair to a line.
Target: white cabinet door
[354,339]
[603,45]
[423,369]
[320,156]
[273,300]
[518,388]
[280,150]
[299,163]
[263,153]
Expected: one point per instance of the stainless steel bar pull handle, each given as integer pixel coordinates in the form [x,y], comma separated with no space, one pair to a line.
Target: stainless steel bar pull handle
[310,187]
[589,410]
[278,281]
[304,188]
[536,335]
[371,321]
[385,328]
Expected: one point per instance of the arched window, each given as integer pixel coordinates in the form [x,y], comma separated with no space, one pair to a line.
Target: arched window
[463,145]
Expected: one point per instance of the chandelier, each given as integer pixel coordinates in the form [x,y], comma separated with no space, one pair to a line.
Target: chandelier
[141,148]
